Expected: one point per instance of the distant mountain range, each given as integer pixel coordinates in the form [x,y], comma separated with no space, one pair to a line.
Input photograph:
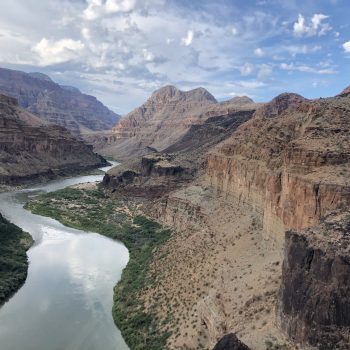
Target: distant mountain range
[62,105]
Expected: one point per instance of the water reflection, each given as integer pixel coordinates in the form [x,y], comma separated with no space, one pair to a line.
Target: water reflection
[66,301]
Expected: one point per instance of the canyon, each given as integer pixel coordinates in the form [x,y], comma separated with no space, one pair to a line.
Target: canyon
[58,104]
[284,166]
[256,196]
[32,149]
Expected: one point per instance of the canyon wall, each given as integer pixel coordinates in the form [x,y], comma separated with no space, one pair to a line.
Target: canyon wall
[292,166]
[314,304]
[62,105]
[31,148]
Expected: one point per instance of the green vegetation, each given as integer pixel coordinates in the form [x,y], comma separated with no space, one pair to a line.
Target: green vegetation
[93,210]
[13,258]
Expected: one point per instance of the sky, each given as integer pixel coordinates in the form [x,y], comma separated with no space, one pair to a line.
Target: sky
[122,50]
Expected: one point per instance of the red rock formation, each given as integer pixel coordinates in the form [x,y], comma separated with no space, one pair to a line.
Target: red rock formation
[31,148]
[291,161]
[163,120]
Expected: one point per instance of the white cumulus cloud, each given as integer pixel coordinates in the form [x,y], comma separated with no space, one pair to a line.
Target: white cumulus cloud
[346,47]
[97,8]
[316,26]
[54,52]
[187,41]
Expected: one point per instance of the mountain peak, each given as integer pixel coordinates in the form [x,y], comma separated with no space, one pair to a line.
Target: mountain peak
[279,104]
[170,92]
[239,100]
[201,93]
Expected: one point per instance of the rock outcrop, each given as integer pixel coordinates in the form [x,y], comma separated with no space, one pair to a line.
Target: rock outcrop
[230,342]
[61,105]
[149,176]
[31,148]
[314,300]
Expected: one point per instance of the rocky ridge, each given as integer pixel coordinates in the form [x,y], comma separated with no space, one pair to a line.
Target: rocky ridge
[163,120]
[61,105]
[31,149]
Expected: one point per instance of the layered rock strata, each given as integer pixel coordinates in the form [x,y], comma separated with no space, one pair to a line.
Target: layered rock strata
[159,173]
[62,105]
[163,120]
[31,149]
[314,302]
[291,162]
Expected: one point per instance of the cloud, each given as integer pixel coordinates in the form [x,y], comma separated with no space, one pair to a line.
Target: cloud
[98,8]
[301,49]
[55,52]
[122,50]
[148,56]
[346,47]
[234,31]
[259,52]
[187,41]
[316,26]
[247,69]
[307,69]
[265,71]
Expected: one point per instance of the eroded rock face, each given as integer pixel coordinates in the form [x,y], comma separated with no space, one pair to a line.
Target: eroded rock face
[31,148]
[292,165]
[314,300]
[61,105]
[160,173]
[148,176]
[230,342]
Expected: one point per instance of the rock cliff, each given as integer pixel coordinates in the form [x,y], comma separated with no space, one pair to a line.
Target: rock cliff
[61,105]
[31,148]
[291,161]
[314,302]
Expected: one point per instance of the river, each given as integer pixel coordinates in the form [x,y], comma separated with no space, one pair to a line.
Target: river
[66,301]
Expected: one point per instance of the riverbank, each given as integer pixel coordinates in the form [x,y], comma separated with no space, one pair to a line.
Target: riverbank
[14,244]
[89,208]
